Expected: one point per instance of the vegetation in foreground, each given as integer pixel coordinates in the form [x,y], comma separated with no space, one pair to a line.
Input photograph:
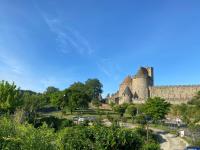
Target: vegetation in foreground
[23,127]
[14,135]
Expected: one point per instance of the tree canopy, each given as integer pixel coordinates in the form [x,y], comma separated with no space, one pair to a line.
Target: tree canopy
[156,108]
[10,96]
[131,110]
[94,88]
[195,100]
[76,97]
[51,89]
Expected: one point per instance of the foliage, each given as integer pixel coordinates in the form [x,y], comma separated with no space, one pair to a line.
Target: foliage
[14,136]
[112,105]
[25,136]
[76,97]
[156,108]
[120,109]
[31,103]
[94,88]
[51,90]
[96,103]
[195,100]
[190,114]
[57,98]
[10,97]
[54,122]
[151,146]
[99,137]
[141,119]
[132,111]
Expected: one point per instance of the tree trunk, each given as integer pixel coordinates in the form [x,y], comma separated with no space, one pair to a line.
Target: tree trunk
[147,132]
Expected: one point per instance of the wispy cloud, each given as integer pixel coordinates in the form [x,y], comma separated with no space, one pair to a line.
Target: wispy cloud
[109,68]
[67,36]
[14,70]
[11,63]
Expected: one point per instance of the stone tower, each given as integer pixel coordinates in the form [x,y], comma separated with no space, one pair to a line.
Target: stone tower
[141,82]
[138,85]
[151,76]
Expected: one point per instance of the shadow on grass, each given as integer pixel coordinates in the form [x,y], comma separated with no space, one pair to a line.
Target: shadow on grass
[160,138]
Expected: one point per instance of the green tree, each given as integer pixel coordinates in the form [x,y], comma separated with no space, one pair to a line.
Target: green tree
[10,97]
[94,88]
[76,97]
[190,114]
[132,111]
[156,108]
[120,109]
[195,100]
[96,103]
[51,89]
[78,87]
[31,103]
[57,98]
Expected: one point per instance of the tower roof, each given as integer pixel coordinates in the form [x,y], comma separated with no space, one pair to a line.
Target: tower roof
[127,80]
[127,91]
[142,72]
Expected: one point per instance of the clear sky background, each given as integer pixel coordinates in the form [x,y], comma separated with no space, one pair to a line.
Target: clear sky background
[58,42]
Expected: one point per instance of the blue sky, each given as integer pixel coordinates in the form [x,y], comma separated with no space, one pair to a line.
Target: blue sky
[58,42]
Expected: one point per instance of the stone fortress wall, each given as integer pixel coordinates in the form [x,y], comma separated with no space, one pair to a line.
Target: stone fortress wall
[140,87]
[175,94]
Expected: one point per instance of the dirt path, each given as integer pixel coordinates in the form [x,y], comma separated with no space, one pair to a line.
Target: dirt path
[167,141]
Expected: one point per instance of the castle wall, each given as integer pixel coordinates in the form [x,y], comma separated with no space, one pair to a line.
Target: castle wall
[122,87]
[124,99]
[142,87]
[175,94]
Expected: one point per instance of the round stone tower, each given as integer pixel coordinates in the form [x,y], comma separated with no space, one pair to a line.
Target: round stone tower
[140,84]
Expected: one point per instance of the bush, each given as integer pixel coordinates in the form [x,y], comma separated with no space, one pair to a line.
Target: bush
[14,136]
[151,146]
[25,136]
[54,122]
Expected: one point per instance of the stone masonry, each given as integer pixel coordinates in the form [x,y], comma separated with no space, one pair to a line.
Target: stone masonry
[140,87]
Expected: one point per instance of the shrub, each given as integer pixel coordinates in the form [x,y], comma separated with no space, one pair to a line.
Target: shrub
[54,122]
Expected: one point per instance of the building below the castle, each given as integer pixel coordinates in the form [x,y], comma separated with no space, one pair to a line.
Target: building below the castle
[138,88]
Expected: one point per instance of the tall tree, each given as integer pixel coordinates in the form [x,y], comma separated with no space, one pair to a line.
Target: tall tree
[76,97]
[156,108]
[94,88]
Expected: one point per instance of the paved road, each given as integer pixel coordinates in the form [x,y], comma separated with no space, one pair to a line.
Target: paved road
[167,141]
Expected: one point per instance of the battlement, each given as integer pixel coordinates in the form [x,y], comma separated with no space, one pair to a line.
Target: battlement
[175,86]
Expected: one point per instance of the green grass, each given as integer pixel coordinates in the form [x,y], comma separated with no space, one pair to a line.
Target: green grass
[165,128]
[87,112]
